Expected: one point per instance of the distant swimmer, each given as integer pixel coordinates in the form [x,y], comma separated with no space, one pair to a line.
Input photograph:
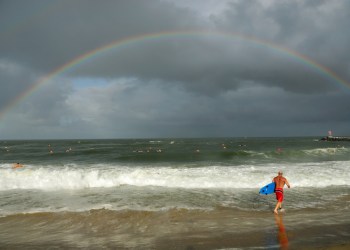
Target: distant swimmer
[17,165]
[280,181]
[50,149]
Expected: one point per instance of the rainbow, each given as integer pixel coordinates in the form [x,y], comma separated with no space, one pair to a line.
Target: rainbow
[320,69]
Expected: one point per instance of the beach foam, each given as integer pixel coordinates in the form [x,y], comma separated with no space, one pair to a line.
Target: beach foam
[321,174]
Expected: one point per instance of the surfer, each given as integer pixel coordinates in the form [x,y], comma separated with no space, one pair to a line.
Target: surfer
[280,181]
[17,165]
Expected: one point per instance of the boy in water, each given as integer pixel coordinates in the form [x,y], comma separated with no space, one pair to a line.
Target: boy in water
[17,165]
[280,181]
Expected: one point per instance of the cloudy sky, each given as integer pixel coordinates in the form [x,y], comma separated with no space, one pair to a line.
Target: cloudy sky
[199,68]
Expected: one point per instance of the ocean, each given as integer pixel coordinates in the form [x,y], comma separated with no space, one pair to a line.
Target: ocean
[173,193]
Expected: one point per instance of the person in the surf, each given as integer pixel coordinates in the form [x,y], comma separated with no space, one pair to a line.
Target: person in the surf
[17,165]
[279,181]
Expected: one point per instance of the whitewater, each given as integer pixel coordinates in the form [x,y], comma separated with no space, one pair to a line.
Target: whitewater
[321,174]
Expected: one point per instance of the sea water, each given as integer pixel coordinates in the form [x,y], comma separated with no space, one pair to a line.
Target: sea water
[136,192]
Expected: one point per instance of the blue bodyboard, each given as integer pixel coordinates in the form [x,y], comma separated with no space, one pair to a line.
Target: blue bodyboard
[268,189]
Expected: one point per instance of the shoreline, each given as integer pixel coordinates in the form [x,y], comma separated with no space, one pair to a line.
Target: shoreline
[177,229]
[313,238]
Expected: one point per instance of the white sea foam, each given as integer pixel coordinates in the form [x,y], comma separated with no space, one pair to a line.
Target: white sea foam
[326,151]
[100,176]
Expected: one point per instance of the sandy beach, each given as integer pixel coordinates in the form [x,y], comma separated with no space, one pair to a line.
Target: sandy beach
[176,229]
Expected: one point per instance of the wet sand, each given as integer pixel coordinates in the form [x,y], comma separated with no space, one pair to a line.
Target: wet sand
[176,229]
[315,238]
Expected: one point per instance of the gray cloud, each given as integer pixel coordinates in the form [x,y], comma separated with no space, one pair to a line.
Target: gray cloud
[185,85]
[314,28]
[65,29]
[14,79]
[131,108]
[74,28]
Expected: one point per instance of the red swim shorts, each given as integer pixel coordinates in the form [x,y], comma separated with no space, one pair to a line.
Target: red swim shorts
[279,194]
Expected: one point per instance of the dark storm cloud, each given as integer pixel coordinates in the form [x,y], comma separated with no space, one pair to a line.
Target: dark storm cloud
[64,30]
[130,108]
[189,85]
[314,28]
[211,68]
[13,78]
[40,115]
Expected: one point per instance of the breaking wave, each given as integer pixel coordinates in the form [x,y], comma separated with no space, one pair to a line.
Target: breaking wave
[319,174]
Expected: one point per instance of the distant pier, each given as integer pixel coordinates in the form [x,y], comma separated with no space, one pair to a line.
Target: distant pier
[335,138]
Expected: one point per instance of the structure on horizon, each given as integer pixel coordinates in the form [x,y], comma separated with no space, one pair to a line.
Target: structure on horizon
[330,137]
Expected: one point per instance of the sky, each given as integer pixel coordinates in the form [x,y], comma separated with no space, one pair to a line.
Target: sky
[89,69]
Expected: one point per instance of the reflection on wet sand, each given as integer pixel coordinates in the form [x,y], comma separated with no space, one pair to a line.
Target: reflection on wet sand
[282,234]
